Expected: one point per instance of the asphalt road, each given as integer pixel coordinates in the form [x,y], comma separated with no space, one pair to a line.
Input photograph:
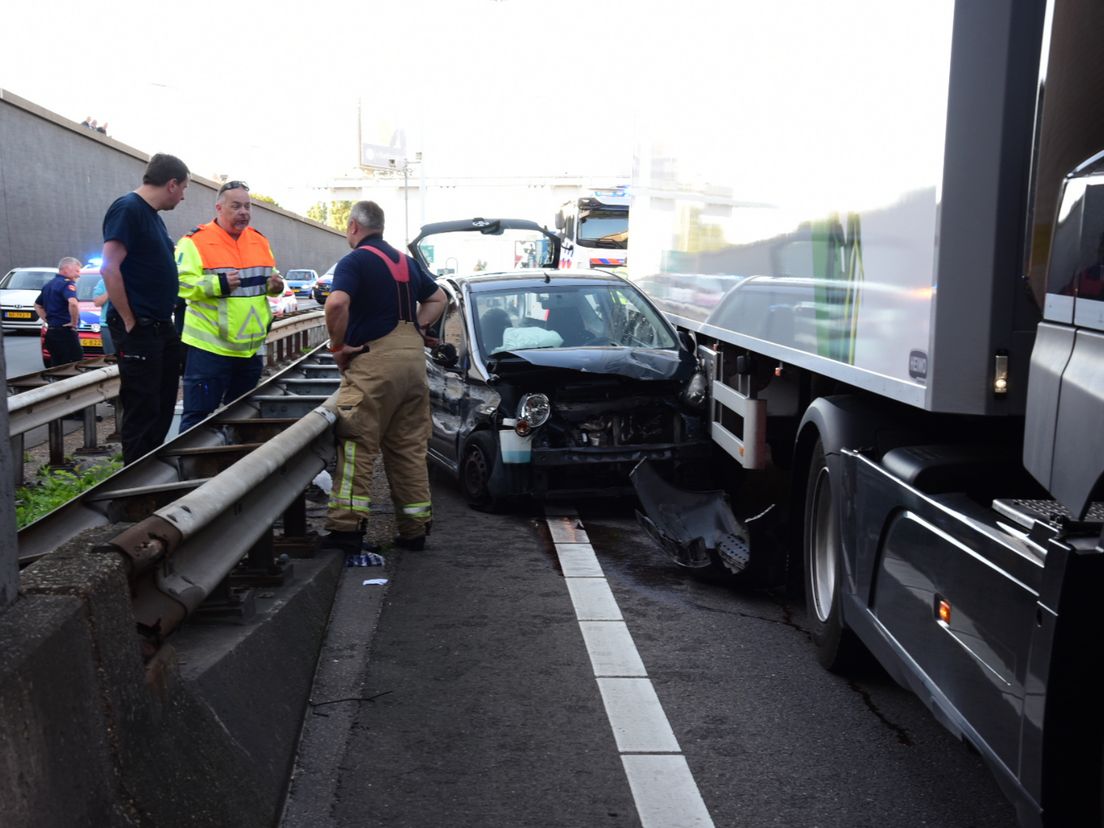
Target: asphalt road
[467,698]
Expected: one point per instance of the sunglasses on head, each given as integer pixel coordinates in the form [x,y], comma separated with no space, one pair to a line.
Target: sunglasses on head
[233,185]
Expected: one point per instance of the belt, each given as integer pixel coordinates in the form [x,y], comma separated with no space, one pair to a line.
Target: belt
[155,324]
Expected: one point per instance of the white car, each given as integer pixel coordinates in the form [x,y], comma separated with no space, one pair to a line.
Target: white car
[18,291]
[283,303]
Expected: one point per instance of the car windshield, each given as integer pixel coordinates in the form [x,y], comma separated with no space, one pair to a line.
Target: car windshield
[567,316]
[86,285]
[298,275]
[27,279]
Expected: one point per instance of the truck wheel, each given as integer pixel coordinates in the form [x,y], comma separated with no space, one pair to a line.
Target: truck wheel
[836,646]
[475,472]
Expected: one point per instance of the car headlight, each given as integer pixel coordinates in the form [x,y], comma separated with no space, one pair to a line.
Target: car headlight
[533,412]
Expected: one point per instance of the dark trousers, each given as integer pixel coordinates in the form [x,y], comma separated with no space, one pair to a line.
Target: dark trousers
[149,373]
[212,380]
[64,345]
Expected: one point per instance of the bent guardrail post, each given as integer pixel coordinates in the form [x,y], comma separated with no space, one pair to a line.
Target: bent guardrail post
[182,552]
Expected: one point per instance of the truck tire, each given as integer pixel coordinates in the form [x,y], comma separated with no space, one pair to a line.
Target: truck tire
[476,469]
[837,647]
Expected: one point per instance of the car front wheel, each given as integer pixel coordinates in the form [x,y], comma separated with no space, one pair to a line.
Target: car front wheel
[476,469]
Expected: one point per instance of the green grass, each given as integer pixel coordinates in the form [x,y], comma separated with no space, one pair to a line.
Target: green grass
[53,488]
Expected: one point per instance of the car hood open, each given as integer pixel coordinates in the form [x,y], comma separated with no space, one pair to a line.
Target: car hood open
[634,363]
[431,234]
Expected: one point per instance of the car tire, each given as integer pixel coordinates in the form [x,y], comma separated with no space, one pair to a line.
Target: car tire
[476,468]
[838,649]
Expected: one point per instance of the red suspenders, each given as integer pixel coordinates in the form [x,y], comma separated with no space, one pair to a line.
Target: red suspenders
[401,274]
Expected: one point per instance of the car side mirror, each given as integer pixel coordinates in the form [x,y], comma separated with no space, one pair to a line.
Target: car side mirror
[445,355]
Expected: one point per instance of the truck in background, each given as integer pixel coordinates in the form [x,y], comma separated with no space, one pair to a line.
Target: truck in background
[888,244]
[594,229]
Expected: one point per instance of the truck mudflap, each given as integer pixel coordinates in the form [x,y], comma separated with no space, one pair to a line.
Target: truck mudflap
[696,529]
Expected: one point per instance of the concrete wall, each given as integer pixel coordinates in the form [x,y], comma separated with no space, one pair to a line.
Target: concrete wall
[205,735]
[58,178]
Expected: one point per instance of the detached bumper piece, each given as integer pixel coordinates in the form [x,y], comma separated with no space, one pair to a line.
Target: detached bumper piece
[695,528]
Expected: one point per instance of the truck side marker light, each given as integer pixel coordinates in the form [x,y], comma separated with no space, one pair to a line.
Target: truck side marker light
[778,370]
[943,610]
[522,428]
[1000,374]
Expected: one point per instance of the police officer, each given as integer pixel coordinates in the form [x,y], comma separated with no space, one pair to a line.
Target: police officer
[226,271]
[381,301]
[57,306]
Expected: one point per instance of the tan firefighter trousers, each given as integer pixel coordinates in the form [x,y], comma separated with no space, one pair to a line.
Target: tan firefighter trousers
[383,406]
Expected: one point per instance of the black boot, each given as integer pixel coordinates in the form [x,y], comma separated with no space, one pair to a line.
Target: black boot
[416,544]
[347,542]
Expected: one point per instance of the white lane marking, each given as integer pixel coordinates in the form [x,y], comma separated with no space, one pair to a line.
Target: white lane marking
[663,789]
[593,600]
[665,792]
[577,560]
[638,721]
[566,529]
[611,649]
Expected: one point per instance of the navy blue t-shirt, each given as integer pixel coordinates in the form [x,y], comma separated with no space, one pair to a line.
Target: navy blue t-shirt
[374,296]
[54,298]
[149,269]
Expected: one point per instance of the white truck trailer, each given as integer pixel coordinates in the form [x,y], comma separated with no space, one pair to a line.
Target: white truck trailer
[884,228]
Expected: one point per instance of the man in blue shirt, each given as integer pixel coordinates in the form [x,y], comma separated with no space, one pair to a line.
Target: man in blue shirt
[139,271]
[58,308]
[381,302]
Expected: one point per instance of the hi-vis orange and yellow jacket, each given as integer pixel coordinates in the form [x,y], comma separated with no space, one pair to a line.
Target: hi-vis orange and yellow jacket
[231,324]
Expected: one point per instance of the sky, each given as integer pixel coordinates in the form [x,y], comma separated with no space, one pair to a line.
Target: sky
[271,93]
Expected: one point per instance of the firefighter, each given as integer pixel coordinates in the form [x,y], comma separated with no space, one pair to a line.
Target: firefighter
[226,273]
[381,302]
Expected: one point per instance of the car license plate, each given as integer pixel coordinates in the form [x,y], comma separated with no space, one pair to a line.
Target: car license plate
[17,315]
[90,342]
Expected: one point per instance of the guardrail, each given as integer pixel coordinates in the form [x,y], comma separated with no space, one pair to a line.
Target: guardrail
[204,505]
[45,397]
[182,553]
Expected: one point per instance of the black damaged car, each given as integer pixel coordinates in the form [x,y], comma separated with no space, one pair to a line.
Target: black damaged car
[546,382]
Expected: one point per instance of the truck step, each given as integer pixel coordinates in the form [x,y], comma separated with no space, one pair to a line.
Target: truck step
[1028,512]
[733,552]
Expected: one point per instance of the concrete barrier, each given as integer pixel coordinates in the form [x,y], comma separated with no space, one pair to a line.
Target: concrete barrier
[205,735]
[58,179]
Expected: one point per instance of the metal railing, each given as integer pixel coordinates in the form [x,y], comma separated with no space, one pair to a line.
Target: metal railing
[46,397]
[203,505]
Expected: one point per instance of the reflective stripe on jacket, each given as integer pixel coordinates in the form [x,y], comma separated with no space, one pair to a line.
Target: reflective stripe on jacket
[235,324]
